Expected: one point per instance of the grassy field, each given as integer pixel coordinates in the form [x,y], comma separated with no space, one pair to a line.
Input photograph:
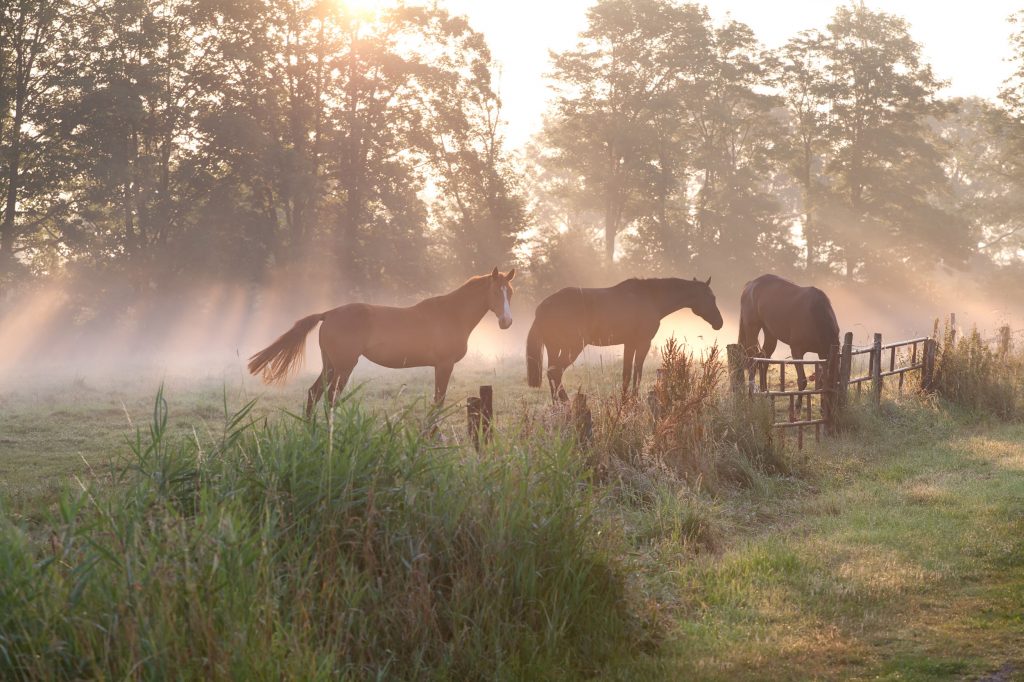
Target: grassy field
[895,551]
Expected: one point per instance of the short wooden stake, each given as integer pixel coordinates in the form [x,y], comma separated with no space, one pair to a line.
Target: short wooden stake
[582,419]
[473,410]
[486,411]
[1004,340]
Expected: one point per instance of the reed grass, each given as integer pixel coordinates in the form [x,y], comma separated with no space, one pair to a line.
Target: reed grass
[351,547]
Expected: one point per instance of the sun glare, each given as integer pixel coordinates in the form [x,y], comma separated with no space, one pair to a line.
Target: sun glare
[367,9]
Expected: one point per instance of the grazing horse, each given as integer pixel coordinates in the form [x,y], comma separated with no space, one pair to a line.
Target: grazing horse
[801,317]
[432,333]
[628,313]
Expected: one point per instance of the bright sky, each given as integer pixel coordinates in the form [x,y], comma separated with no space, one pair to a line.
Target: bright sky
[965,42]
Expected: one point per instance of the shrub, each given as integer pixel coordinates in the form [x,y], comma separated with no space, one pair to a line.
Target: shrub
[705,434]
[969,373]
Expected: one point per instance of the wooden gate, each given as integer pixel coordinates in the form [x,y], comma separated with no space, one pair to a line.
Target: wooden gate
[801,409]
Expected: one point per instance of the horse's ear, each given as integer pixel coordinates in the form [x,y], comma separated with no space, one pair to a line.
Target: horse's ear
[494,273]
[510,275]
[708,282]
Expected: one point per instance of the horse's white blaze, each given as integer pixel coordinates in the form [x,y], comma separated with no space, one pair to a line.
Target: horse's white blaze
[507,312]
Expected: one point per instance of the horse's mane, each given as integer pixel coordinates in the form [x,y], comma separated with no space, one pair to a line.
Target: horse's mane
[469,283]
[823,311]
[656,282]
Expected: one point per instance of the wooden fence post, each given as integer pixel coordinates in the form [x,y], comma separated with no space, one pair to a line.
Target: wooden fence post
[486,411]
[473,412]
[582,419]
[952,327]
[734,351]
[928,371]
[876,370]
[845,367]
[830,399]
[1004,340]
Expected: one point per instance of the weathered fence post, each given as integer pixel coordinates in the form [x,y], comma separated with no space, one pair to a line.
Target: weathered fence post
[734,351]
[830,399]
[486,411]
[952,327]
[928,371]
[473,411]
[582,419]
[1004,340]
[876,370]
[652,395]
[845,367]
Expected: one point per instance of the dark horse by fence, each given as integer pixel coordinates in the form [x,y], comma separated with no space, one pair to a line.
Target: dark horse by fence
[801,317]
[628,313]
[432,333]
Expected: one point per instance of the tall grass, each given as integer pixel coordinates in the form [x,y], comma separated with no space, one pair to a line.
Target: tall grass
[971,373]
[351,549]
[704,432]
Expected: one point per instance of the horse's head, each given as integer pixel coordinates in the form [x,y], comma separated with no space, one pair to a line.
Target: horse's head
[499,297]
[704,305]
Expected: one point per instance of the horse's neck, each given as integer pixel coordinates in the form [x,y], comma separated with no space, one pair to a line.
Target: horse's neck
[467,305]
[672,297]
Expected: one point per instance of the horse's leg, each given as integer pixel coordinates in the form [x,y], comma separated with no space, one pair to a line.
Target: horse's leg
[557,365]
[749,330]
[801,376]
[628,351]
[316,390]
[553,383]
[555,371]
[642,350]
[767,350]
[338,381]
[442,374]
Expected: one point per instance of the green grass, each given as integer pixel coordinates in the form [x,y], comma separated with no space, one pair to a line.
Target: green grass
[895,551]
[350,547]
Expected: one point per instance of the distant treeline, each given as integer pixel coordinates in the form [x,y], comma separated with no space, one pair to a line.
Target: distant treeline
[147,143]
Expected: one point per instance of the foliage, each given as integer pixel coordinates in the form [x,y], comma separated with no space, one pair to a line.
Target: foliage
[146,143]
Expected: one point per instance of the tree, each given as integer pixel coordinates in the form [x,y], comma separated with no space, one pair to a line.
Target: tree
[883,163]
[738,221]
[805,90]
[31,39]
[619,96]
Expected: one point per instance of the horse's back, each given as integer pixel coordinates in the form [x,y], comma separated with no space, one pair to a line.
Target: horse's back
[794,314]
[599,316]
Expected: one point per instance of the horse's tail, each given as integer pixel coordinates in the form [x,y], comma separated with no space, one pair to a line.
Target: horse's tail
[825,315]
[281,358]
[534,355]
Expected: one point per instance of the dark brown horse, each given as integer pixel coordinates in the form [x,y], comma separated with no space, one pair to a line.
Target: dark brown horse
[432,333]
[628,313]
[801,317]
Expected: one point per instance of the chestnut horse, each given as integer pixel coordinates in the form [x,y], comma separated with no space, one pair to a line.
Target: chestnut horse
[432,333]
[801,317]
[628,313]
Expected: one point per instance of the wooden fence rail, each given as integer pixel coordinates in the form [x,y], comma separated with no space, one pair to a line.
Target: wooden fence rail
[834,378]
[833,381]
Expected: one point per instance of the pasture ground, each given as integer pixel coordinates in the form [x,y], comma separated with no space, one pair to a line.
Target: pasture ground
[893,552]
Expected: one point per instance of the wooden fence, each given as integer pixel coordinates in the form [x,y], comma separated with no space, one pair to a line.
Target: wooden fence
[812,408]
[834,378]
